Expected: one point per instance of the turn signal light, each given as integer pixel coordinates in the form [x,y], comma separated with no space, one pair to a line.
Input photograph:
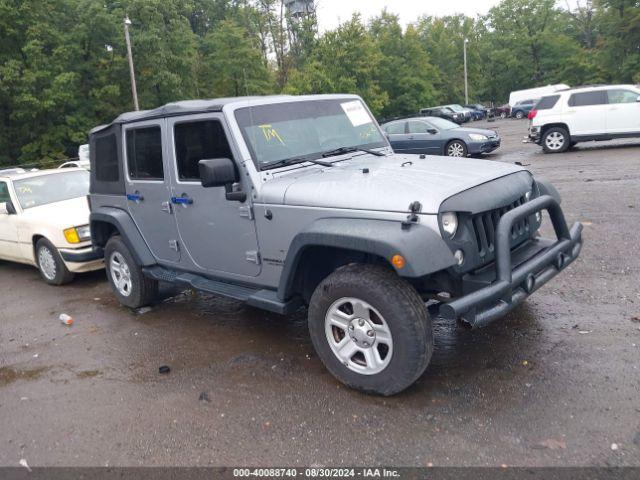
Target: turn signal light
[398,261]
[71,234]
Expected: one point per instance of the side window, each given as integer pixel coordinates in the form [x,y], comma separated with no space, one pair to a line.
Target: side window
[197,141]
[586,99]
[144,153]
[107,159]
[395,128]
[622,96]
[547,103]
[418,127]
[4,193]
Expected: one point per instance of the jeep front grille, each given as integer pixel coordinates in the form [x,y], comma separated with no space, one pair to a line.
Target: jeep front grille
[485,225]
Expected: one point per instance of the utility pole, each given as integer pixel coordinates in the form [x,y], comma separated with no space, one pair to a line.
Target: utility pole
[466,80]
[134,90]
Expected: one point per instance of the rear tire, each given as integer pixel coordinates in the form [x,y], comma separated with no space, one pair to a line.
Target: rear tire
[556,140]
[50,264]
[456,148]
[371,329]
[519,115]
[126,278]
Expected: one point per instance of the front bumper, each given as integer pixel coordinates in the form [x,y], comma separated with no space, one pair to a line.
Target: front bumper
[82,255]
[487,146]
[494,293]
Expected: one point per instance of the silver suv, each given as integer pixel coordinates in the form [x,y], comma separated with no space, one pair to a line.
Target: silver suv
[283,202]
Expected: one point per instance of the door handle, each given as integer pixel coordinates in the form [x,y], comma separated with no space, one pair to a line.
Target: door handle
[135,197]
[182,200]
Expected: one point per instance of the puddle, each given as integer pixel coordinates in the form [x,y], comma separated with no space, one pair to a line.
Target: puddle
[9,375]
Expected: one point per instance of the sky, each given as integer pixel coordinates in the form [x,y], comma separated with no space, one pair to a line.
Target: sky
[332,12]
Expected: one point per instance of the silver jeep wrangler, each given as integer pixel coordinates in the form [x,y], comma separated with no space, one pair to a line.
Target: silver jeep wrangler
[285,201]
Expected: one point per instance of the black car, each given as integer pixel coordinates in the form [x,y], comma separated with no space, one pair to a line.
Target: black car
[437,136]
[443,112]
[479,111]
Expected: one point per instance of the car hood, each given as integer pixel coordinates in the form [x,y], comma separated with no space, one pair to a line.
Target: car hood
[468,130]
[391,184]
[65,214]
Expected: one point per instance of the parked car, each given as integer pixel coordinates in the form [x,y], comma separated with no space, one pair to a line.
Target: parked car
[443,112]
[521,109]
[437,136]
[82,161]
[44,222]
[478,111]
[537,92]
[461,110]
[582,114]
[289,201]
[503,111]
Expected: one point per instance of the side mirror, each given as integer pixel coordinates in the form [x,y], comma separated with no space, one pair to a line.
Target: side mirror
[432,131]
[217,172]
[221,172]
[7,208]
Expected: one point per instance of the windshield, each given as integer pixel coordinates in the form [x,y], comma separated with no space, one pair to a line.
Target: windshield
[44,189]
[306,129]
[456,108]
[442,123]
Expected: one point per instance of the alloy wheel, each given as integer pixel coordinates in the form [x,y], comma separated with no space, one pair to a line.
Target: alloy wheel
[456,149]
[359,336]
[120,274]
[554,141]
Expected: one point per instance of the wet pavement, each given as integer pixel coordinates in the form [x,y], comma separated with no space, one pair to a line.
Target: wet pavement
[554,383]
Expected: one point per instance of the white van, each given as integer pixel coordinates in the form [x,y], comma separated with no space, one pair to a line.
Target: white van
[539,92]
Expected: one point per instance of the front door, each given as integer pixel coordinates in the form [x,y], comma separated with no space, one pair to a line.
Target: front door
[623,115]
[149,190]
[9,246]
[422,138]
[397,136]
[218,235]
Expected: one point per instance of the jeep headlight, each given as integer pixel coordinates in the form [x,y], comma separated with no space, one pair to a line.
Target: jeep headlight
[476,137]
[78,234]
[449,223]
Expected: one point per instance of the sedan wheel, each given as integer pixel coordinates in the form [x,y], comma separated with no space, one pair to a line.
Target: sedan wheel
[456,149]
[47,263]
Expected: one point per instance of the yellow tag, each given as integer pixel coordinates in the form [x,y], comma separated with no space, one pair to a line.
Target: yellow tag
[270,133]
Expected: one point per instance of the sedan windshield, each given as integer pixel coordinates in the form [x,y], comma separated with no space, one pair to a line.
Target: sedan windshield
[287,133]
[51,188]
[456,108]
[442,123]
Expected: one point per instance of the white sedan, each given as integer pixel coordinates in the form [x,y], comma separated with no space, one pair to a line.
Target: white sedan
[44,222]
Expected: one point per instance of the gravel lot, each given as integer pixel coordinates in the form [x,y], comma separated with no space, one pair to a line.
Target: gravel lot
[554,383]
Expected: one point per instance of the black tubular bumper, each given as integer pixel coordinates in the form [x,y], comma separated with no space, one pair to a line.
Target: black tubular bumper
[512,285]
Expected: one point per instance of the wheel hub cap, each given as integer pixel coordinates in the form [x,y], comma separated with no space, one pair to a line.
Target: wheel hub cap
[120,274]
[358,336]
[47,263]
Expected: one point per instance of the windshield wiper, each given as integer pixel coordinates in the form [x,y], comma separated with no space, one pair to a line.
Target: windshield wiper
[293,161]
[343,150]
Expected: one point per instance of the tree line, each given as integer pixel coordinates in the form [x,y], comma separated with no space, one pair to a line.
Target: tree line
[63,64]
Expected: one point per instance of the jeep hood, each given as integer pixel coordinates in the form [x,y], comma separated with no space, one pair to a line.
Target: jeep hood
[391,184]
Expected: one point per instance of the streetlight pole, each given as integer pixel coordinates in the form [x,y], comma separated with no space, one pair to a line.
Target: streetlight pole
[466,80]
[134,90]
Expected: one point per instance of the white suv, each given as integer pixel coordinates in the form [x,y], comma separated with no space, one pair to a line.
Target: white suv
[582,114]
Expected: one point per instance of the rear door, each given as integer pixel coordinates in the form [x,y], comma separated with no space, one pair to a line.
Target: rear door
[421,139]
[397,135]
[148,188]
[586,113]
[623,114]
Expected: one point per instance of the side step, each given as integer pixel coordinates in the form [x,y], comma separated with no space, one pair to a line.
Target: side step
[259,298]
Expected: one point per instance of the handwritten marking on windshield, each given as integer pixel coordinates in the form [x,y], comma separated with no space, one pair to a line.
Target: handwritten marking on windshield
[270,133]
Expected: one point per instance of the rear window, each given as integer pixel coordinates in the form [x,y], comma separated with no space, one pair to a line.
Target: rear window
[547,103]
[107,159]
[585,99]
[144,153]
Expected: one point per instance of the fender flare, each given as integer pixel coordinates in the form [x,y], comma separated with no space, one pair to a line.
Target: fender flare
[128,230]
[424,250]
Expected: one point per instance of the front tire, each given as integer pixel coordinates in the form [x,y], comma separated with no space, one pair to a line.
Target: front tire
[456,148]
[371,329]
[50,264]
[126,278]
[556,140]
